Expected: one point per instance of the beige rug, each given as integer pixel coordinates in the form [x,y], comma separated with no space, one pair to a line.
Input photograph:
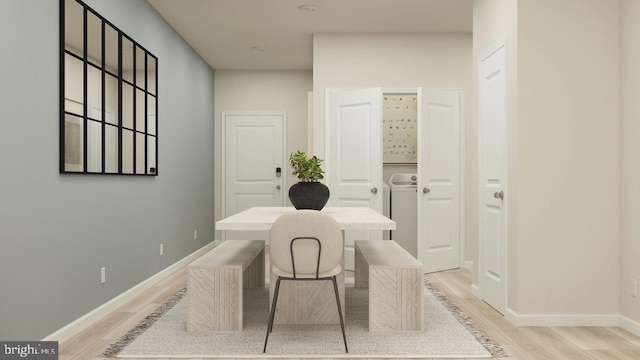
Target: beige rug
[448,334]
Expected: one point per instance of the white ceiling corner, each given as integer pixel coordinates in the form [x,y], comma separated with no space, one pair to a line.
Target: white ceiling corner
[223,32]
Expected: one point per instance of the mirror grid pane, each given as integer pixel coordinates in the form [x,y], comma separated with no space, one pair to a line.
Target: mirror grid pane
[108,120]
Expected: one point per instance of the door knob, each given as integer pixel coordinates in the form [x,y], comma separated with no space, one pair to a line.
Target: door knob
[498,195]
[277,187]
[426,190]
[374,190]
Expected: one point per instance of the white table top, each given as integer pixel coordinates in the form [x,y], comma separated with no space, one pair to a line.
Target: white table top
[349,218]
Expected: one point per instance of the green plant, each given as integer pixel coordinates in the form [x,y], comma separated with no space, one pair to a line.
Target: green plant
[307,169]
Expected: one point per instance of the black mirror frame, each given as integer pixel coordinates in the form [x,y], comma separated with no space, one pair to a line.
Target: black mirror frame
[137,131]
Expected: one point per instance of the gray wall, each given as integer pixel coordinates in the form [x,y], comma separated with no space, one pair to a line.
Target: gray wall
[56,231]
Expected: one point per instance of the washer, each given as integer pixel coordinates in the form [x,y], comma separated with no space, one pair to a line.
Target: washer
[404,208]
[386,209]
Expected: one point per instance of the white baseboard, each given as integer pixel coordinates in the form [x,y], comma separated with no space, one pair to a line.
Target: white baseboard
[516,319]
[562,319]
[475,290]
[630,325]
[83,322]
[467,264]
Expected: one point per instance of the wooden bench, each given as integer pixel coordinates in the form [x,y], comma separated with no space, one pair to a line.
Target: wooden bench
[395,281]
[215,283]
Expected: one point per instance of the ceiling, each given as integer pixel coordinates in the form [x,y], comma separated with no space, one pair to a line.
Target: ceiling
[225,32]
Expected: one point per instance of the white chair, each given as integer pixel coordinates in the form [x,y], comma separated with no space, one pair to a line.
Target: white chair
[305,245]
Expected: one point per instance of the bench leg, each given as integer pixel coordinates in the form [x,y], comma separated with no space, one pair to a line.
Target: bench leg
[253,276]
[395,299]
[215,300]
[361,270]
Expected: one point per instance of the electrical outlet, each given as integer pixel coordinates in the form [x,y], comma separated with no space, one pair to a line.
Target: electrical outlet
[103,275]
[161,249]
[634,288]
[195,234]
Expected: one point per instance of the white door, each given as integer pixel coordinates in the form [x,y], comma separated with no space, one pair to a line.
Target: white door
[493,170]
[353,153]
[439,179]
[253,151]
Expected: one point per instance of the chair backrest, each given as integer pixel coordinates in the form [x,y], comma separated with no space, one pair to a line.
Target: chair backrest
[305,224]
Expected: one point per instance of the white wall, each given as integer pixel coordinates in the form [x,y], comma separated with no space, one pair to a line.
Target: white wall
[56,231]
[494,22]
[390,61]
[569,157]
[263,91]
[630,161]
[393,61]
[564,156]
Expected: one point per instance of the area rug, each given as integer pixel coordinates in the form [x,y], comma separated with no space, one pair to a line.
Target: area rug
[448,333]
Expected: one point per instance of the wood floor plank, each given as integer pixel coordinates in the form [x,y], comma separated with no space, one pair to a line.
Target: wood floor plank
[618,346]
[583,337]
[143,300]
[92,351]
[91,335]
[458,284]
[558,347]
[625,335]
[134,319]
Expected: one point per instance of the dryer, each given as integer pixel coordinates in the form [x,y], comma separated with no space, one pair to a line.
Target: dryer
[404,209]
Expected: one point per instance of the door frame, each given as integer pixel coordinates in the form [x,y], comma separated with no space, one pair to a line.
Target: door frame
[376,182]
[223,154]
[462,243]
[502,43]
[462,141]
[461,164]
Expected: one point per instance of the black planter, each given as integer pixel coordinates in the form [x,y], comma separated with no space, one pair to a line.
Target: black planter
[309,195]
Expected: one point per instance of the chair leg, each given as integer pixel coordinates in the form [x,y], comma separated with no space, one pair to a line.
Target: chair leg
[335,289]
[272,314]
[276,296]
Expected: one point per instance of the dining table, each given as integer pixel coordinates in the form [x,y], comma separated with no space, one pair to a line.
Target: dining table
[307,302]
[348,218]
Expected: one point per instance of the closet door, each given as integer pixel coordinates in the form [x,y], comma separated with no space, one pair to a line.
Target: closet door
[439,119]
[493,177]
[354,156]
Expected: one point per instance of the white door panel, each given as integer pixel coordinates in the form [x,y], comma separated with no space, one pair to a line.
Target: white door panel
[253,147]
[354,155]
[439,179]
[493,170]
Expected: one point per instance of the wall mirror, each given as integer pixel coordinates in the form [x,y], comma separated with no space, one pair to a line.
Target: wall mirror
[109,97]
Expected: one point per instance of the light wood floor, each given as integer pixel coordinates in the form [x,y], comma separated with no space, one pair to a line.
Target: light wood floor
[551,343]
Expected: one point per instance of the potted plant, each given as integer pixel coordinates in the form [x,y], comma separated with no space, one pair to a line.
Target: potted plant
[309,192]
